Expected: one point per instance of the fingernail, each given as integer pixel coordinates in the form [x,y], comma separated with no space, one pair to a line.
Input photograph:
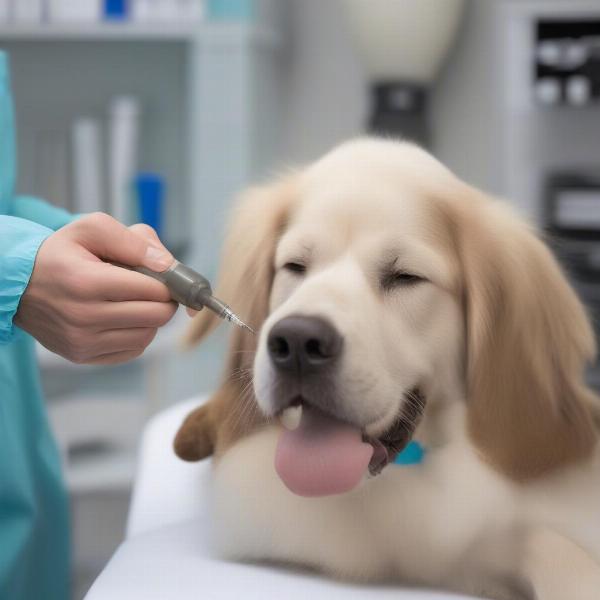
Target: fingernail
[157,259]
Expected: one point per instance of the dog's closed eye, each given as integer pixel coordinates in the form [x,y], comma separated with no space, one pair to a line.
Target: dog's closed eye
[294,267]
[395,279]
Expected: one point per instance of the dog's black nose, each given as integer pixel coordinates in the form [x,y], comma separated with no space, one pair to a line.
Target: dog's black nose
[301,344]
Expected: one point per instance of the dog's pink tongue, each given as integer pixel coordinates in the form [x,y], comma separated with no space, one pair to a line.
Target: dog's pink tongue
[323,456]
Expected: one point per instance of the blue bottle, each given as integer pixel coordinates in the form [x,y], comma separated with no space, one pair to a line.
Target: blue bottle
[150,191]
[116,10]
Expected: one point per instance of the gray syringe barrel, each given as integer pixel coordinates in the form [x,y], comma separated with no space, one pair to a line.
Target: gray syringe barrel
[187,286]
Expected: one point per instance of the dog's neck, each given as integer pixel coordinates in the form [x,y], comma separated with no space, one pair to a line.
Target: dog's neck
[444,419]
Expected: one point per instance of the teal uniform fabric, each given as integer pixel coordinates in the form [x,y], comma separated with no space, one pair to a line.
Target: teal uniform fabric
[34,524]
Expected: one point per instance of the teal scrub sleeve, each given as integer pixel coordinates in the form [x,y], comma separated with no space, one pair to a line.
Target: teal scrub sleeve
[25,222]
[40,211]
[20,240]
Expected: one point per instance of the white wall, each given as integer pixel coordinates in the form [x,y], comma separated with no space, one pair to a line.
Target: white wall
[325,94]
[466,99]
[326,90]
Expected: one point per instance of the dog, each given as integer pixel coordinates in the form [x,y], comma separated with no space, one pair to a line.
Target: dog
[394,302]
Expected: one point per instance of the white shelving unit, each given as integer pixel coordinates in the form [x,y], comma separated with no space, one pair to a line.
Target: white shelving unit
[137,32]
[100,31]
[209,96]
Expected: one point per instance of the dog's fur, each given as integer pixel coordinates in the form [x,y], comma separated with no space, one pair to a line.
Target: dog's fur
[507,501]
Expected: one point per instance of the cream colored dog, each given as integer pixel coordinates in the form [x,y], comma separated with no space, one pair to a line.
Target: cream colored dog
[395,302]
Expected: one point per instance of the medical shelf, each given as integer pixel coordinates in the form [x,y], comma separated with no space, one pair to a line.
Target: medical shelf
[97,32]
[178,32]
[210,102]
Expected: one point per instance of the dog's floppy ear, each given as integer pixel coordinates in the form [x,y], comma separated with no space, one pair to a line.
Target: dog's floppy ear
[247,258]
[247,272]
[528,341]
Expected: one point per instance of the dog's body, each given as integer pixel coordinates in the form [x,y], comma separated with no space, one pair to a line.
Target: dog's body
[451,523]
[432,287]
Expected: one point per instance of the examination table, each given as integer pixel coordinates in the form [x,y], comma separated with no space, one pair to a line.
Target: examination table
[165,555]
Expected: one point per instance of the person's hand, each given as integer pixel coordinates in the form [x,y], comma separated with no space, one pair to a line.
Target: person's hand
[90,311]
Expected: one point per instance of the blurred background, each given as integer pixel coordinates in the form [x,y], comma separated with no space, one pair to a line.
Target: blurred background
[162,110]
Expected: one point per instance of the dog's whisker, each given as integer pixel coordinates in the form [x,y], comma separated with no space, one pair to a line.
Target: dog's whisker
[240,399]
[239,374]
[243,406]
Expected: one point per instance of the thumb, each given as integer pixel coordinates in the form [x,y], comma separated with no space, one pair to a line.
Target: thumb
[110,240]
[150,234]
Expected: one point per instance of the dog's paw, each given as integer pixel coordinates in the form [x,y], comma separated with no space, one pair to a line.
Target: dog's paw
[196,437]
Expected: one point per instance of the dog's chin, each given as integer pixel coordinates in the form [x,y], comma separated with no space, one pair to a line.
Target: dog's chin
[395,437]
[386,439]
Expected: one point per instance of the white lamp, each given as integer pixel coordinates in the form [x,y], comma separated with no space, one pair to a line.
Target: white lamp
[403,44]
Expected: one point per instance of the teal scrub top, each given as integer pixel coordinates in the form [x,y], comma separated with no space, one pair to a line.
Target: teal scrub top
[34,523]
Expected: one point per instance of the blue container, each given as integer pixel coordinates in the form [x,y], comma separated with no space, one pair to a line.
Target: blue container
[230,10]
[150,192]
[116,10]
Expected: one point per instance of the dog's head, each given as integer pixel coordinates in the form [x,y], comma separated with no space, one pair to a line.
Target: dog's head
[385,289]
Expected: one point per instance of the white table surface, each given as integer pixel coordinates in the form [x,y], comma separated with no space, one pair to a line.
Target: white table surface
[174,563]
